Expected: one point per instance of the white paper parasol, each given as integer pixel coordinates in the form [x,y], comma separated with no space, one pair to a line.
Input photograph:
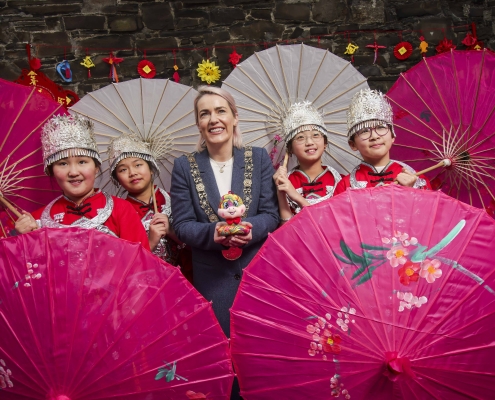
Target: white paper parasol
[267,83]
[160,111]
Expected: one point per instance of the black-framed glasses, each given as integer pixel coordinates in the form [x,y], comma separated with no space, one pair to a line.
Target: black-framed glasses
[381,130]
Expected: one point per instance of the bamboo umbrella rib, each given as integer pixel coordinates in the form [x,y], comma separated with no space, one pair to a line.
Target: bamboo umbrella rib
[478,158]
[476,98]
[439,92]
[26,198]
[171,109]
[3,231]
[283,71]
[250,109]
[101,122]
[336,133]
[421,159]
[142,104]
[184,144]
[316,74]
[253,120]
[172,124]
[35,189]
[477,144]
[422,100]
[485,165]
[330,83]
[335,111]
[299,71]
[195,134]
[486,187]
[457,90]
[91,95]
[417,119]
[127,108]
[412,147]
[461,167]
[342,93]
[337,161]
[248,96]
[17,118]
[254,130]
[484,123]
[440,383]
[27,156]
[266,73]
[344,150]
[255,83]
[159,102]
[335,122]
[30,134]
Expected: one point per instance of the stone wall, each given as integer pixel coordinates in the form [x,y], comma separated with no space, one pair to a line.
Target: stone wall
[58,27]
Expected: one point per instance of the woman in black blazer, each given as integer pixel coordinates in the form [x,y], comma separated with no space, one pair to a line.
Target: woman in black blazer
[221,164]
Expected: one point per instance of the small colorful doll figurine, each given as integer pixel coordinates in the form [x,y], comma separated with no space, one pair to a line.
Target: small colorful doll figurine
[231,209]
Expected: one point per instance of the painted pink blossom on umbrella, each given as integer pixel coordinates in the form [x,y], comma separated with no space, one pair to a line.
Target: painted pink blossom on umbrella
[430,269]
[5,375]
[397,254]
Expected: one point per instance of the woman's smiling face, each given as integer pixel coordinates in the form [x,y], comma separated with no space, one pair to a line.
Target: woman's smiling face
[216,121]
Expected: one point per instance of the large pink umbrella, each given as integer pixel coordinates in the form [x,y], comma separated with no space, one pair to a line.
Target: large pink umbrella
[87,316]
[23,111]
[444,110]
[375,294]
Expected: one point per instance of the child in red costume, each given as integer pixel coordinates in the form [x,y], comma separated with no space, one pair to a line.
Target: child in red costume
[310,182]
[133,167]
[71,156]
[371,132]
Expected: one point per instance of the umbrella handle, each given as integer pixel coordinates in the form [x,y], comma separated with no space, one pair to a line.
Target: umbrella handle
[9,206]
[443,163]
[155,208]
[286,159]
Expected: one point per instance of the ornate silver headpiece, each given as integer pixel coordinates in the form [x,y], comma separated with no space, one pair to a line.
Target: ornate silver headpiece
[368,108]
[129,145]
[68,136]
[302,117]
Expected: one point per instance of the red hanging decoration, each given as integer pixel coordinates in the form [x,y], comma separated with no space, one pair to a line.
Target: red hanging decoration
[146,68]
[234,57]
[375,47]
[176,68]
[403,50]
[471,41]
[445,45]
[113,61]
[45,85]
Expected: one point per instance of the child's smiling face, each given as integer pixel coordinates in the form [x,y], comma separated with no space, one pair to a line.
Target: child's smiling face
[308,146]
[375,150]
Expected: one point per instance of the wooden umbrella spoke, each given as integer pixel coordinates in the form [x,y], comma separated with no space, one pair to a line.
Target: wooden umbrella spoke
[267,75]
[335,111]
[103,123]
[115,86]
[336,133]
[92,96]
[475,136]
[337,161]
[417,119]
[342,93]
[316,74]
[256,84]
[247,95]
[158,103]
[344,150]
[330,83]
[16,119]
[160,133]
[253,110]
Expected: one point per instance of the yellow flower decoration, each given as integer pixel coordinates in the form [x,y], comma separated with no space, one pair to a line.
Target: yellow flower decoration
[208,71]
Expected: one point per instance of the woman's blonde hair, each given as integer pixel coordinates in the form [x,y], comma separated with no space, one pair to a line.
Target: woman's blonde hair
[203,90]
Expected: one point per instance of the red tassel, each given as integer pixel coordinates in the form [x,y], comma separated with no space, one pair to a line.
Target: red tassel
[67,73]
[176,77]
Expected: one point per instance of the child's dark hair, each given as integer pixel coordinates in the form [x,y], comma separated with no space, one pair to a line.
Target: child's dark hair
[50,167]
[114,172]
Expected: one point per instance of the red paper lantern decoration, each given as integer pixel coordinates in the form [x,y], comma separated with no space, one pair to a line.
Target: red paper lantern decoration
[445,45]
[234,58]
[113,62]
[146,69]
[403,50]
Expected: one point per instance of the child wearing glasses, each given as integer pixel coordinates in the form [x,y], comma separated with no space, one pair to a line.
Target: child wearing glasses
[371,132]
[309,182]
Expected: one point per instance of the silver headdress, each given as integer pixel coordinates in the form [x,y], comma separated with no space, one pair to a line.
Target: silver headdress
[302,117]
[368,108]
[68,136]
[129,145]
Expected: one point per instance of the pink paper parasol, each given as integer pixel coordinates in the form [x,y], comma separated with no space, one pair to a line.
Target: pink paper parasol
[23,111]
[88,316]
[375,294]
[444,110]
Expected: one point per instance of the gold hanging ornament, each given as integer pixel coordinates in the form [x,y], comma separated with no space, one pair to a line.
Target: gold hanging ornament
[351,49]
[88,63]
[208,71]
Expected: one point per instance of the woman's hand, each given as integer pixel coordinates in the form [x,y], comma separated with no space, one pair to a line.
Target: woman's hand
[25,223]
[223,240]
[159,227]
[241,240]
[406,178]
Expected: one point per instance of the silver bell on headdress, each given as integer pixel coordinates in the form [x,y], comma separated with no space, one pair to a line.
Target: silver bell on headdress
[301,117]
[68,136]
[129,145]
[368,108]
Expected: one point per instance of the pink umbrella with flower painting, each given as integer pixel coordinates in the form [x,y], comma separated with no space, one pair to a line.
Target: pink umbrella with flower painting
[384,293]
